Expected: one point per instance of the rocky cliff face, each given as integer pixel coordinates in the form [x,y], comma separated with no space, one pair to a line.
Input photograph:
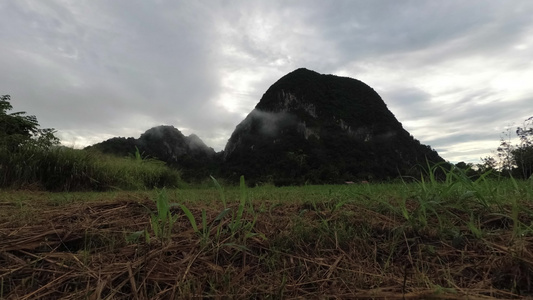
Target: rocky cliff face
[169,144]
[322,128]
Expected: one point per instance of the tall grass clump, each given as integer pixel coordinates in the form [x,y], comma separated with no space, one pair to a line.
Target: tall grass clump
[134,173]
[66,169]
[444,199]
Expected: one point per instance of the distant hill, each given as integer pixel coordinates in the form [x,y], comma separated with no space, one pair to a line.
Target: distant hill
[187,153]
[317,128]
[307,128]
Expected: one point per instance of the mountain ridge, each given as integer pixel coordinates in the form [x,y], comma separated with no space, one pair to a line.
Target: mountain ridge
[307,127]
[333,127]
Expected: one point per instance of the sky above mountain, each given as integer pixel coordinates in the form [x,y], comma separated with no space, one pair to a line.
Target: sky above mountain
[455,73]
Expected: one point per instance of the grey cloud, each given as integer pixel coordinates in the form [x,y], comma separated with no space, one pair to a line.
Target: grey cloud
[142,61]
[402,27]
[408,103]
[117,68]
[461,137]
[466,112]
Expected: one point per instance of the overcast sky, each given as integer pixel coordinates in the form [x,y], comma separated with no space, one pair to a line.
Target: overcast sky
[455,73]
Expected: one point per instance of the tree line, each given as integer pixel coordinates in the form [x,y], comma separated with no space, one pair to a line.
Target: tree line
[512,158]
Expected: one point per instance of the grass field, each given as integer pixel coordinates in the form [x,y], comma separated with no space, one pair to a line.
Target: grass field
[428,239]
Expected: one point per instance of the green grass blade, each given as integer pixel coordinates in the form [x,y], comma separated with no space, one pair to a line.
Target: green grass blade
[190,216]
[204,222]
[222,214]
[163,208]
[134,236]
[242,200]
[220,190]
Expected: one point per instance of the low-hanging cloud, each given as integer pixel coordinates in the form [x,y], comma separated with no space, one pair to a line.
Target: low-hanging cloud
[267,123]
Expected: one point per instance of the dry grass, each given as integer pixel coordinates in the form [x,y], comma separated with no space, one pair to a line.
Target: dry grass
[78,250]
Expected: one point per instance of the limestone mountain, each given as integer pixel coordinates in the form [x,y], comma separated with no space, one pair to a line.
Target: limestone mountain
[166,143]
[316,128]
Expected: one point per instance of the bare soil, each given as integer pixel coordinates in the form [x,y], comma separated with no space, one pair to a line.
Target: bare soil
[291,251]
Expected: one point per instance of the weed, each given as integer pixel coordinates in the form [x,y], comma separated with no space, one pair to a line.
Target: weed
[163,221]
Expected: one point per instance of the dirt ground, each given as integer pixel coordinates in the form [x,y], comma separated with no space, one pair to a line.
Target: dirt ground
[85,250]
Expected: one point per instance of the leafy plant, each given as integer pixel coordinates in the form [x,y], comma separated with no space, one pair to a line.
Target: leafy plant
[163,221]
[220,191]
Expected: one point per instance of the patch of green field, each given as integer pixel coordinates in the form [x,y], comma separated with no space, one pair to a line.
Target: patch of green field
[452,237]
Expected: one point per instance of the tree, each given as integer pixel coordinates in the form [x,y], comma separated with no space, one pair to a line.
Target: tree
[505,153]
[515,160]
[18,129]
[487,164]
[523,153]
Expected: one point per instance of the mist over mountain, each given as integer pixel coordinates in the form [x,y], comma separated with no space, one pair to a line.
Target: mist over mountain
[316,128]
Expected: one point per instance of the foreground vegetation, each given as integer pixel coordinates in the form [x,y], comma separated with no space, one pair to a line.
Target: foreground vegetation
[433,239]
[66,169]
